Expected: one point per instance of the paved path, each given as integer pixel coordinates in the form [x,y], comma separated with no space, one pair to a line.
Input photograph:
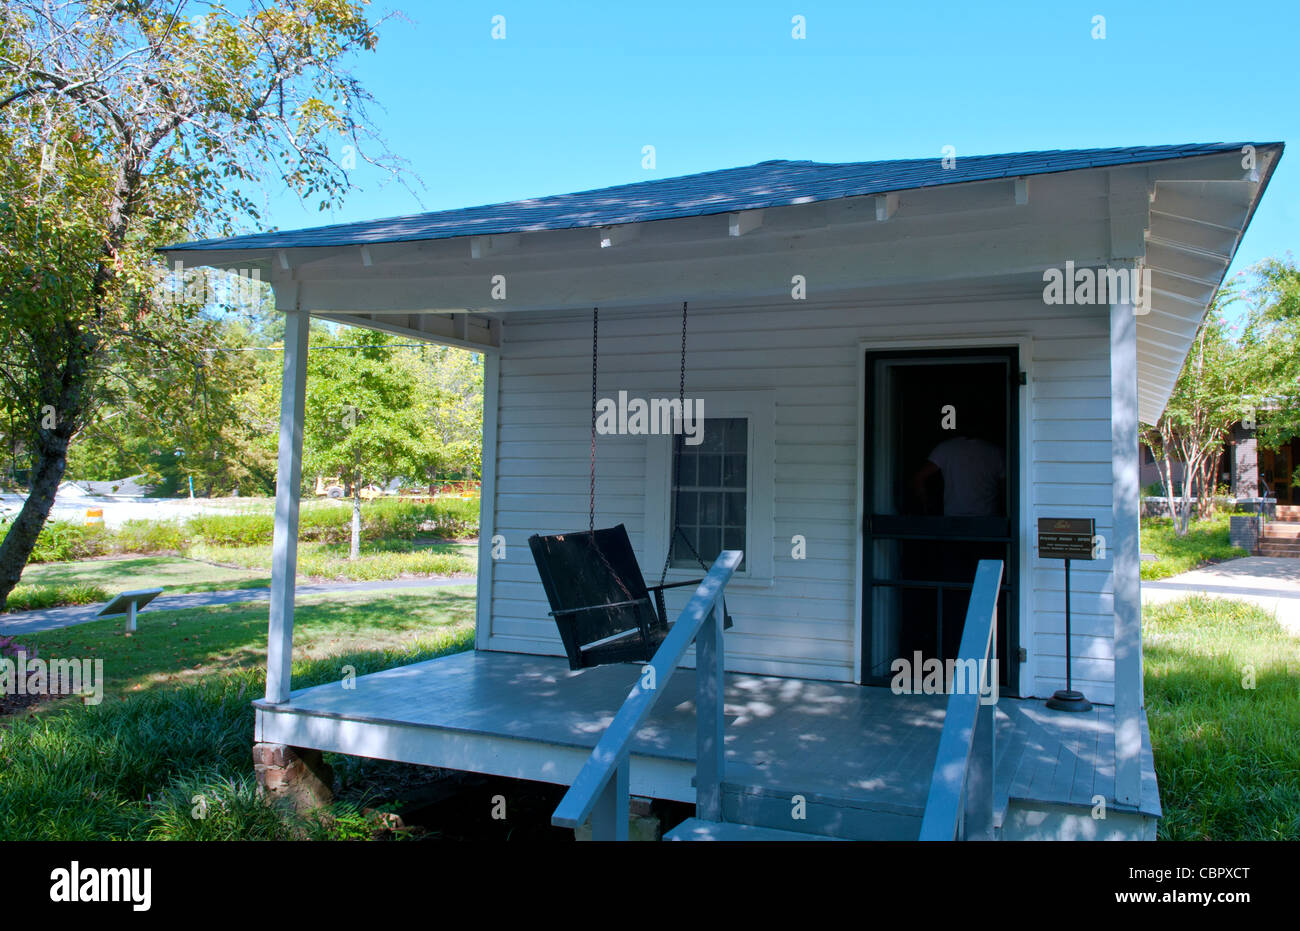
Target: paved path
[30,622]
[1271,582]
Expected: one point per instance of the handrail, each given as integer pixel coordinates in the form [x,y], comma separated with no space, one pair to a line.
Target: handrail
[960,803]
[601,787]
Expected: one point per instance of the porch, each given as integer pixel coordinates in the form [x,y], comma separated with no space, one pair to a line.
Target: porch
[861,757]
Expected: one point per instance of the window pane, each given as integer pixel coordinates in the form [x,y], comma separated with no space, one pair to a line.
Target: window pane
[710,543]
[711,494]
[710,474]
[710,509]
[733,471]
[735,510]
[687,509]
[737,435]
[733,539]
[714,431]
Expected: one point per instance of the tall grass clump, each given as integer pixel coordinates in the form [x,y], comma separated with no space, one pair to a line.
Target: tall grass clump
[131,768]
[1223,702]
[37,597]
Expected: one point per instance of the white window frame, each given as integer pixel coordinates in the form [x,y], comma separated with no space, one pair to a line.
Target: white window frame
[759,409]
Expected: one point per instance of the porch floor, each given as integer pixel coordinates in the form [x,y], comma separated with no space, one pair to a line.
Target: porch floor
[531,717]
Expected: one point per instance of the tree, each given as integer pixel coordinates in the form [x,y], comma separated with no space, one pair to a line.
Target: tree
[1272,336]
[451,395]
[177,425]
[1212,393]
[362,418]
[124,126]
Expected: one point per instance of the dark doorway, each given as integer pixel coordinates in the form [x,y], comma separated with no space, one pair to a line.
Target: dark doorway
[941,486]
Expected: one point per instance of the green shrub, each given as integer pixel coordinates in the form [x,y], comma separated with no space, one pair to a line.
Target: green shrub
[383,520]
[230,529]
[63,540]
[149,536]
[329,522]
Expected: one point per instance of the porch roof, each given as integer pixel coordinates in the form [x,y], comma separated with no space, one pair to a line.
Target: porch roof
[1178,211]
[775,183]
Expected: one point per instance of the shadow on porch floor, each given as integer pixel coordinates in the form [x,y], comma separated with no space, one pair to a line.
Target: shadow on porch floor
[838,745]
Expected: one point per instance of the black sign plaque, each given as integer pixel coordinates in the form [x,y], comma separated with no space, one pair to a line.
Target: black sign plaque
[1066,537]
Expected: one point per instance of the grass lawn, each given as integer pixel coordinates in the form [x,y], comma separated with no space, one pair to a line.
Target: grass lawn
[1223,700]
[176,725]
[1206,542]
[175,647]
[219,568]
[116,573]
[379,559]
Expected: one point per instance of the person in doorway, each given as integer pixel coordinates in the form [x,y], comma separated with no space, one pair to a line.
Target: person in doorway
[973,471]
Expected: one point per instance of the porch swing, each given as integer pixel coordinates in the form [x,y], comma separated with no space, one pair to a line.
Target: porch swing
[599,599]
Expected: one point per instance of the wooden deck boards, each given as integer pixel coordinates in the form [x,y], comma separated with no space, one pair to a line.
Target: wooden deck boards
[826,739]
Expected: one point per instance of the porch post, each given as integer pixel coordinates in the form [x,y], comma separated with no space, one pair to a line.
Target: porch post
[710,689]
[487,501]
[1125,560]
[288,483]
[609,818]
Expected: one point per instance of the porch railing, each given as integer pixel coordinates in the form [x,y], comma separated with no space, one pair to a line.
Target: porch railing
[960,804]
[601,788]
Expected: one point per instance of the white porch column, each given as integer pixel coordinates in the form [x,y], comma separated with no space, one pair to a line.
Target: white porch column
[288,483]
[487,500]
[1124,554]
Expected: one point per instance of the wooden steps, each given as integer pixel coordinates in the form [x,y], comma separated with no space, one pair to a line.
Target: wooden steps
[766,812]
[695,829]
[828,815]
[1287,512]
[1281,538]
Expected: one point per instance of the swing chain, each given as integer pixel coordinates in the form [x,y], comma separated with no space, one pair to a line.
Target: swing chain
[677,468]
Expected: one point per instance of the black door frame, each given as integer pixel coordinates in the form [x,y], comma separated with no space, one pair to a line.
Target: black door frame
[968,529]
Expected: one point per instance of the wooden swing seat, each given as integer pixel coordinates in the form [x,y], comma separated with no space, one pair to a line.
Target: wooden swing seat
[603,608]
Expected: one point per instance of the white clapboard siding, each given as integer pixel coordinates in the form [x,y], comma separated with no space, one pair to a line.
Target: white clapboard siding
[807,356]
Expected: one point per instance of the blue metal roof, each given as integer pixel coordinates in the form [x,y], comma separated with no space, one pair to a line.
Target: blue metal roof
[768,184]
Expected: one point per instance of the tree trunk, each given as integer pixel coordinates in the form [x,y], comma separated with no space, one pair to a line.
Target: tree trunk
[51,462]
[356,520]
[1205,490]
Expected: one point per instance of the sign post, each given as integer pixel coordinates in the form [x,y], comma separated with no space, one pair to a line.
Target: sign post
[1067,538]
[129,603]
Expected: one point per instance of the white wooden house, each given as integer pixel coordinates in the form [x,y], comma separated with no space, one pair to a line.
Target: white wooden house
[838,313]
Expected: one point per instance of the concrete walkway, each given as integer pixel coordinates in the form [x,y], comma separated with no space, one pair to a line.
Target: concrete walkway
[30,622]
[1272,583]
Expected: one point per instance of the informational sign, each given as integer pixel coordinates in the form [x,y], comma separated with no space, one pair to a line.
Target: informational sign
[129,603]
[1066,537]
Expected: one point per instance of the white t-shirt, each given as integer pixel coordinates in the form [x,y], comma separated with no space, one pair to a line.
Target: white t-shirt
[973,471]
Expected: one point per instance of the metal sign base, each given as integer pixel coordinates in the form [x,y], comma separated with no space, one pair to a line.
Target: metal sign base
[1068,700]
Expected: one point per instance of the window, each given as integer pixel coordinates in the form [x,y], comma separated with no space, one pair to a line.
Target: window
[725,496]
[711,494]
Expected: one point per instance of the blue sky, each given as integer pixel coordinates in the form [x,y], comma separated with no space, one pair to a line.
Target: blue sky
[567,100]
